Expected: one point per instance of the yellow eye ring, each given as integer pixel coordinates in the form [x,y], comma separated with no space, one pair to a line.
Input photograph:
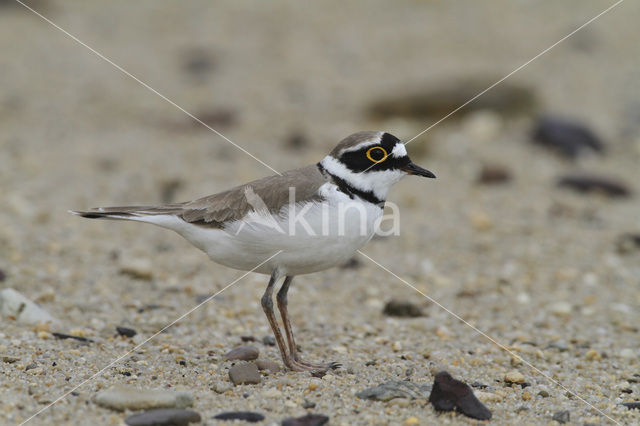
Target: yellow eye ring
[384,153]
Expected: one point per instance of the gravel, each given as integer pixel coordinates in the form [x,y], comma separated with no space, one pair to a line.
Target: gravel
[76,133]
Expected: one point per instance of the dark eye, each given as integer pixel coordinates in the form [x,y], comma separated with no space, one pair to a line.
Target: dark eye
[377,154]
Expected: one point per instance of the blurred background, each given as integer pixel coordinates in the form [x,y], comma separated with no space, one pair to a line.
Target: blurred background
[533,220]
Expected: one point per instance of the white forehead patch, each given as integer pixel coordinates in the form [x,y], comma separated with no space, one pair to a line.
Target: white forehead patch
[399,150]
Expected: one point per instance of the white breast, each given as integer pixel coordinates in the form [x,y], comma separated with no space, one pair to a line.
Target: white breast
[311,236]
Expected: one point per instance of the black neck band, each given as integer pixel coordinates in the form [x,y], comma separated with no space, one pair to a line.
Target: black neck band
[350,190]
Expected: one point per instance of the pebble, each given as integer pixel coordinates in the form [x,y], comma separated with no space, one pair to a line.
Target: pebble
[632,405]
[492,174]
[565,137]
[140,269]
[561,309]
[10,359]
[592,355]
[130,398]
[126,332]
[306,420]
[481,221]
[543,393]
[269,340]
[222,387]
[244,353]
[244,373]
[413,420]
[395,389]
[627,243]
[449,394]
[588,183]
[272,393]
[628,353]
[270,366]
[247,416]
[488,396]
[308,404]
[514,377]
[163,416]
[398,308]
[561,416]
[14,304]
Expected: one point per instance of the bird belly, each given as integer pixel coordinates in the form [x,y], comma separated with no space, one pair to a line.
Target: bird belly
[309,237]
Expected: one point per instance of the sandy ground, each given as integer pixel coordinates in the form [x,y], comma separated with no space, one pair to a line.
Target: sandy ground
[533,266]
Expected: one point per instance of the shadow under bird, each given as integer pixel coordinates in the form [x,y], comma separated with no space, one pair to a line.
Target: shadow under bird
[302,221]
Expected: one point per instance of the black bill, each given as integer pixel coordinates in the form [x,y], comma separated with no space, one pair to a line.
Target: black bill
[414,169]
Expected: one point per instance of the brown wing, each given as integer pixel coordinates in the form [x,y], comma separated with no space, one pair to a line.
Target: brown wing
[273,191]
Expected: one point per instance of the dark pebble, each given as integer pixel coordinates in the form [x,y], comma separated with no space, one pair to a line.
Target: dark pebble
[308,404]
[297,141]
[216,118]
[561,416]
[163,416]
[626,243]
[396,308]
[244,373]
[567,138]
[493,174]
[125,331]
[435,103]
[479,385]
[63,336]
[450,394]
[269,340]
[593,183]
[248,338]
[3,276]
[247,416]
[632,405]
[198,62]
[168,190]
[307,420]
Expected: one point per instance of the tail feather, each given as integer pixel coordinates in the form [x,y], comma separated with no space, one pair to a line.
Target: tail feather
[128,212]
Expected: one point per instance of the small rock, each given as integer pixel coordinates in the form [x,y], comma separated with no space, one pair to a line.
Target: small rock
[248,338]
[243,353]
[140,269]
[481,221]
[598,184]
[222,387]
[64,336]
[543,393]
[632,405]
[493,174]
[488,396]
[307,420]
[10,359]
[397,308]
[308,404]
[450,394]
[413,420]
[15,305]
[352,263]
[627,243]
[131,398]
[567,138]
[272,393]
[395,389]
[269,340]
[297,140]
[592,355]
[127,332]
[561,416]
[270,366]
[3,275]
[561,309]
[247,416]
[514,377]
[244,373]
[198,62]
[629,353]
[163,416]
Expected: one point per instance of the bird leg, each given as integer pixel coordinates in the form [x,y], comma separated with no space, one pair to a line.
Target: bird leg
[282,300]
[267,306]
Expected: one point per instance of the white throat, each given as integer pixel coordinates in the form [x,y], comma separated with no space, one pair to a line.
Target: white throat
[377,181]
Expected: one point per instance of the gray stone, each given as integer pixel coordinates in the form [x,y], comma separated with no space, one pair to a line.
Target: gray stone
[396,389]
[244,353]
[245,373]
[561,416]
[270,366]
[14,304]
[164,416]
[129,398]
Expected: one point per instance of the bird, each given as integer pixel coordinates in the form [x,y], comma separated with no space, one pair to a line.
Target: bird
[298,222]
